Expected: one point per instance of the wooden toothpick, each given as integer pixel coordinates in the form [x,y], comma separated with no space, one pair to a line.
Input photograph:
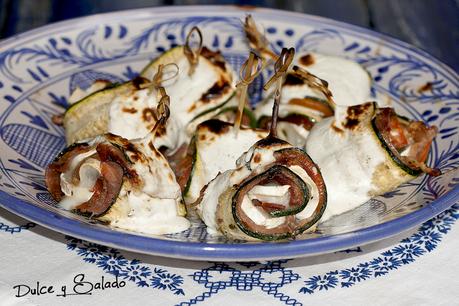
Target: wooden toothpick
[250,69]
[193,50]
[280,70]
[315,82]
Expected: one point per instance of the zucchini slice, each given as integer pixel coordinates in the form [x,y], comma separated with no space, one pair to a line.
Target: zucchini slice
[89,117]
[398,134]
[216,138]
[126,184]
[357,157]
[197,97]
[276,193]
[229,114]
[171,56]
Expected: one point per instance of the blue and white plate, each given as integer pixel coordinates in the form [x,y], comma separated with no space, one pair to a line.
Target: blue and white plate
[39,69]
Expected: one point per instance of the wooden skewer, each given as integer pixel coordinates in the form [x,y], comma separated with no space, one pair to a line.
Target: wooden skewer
[163,107]
[315,82]
[158,79]
[250,69]
[192,53]
[280,70]
[256,39]
[259,42]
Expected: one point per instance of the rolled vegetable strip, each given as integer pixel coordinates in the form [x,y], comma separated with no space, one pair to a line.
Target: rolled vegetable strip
[127,110]
[78,93]
[275,193]
[126,184]
[365,151]
[196,97]
[348,81]
[218,144]
[216,149]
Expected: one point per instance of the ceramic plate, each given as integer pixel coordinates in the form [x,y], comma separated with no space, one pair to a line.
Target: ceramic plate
[40,68]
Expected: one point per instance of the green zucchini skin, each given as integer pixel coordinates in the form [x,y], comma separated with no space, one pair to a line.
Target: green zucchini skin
[212,109]
[282,236]
[248,112]
[147,69]
[116,86]
[411,171]
[195,156]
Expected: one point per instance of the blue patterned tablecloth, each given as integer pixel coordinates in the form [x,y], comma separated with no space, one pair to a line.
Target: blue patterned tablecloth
[413,268]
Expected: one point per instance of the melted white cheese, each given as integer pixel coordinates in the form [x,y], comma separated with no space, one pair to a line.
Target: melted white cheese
[227,148]
[293,133]
[347,80]
[131,125]
[127,119]
[89,171]
[270,194]
[347,162]
[259,216]
[207,208]
[183,95]
[152,209]
[150,215]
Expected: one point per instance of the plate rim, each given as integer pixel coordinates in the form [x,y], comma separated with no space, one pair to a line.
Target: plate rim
[226,251]
[223,251]
[122,14]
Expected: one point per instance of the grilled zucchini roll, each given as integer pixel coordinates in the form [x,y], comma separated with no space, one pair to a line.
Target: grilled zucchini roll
[365,151]
[127,110]
[198,96]
[302,105]
[79,93]
[203,84]
[276,192]
[216,147]
[218,144]
[126,184]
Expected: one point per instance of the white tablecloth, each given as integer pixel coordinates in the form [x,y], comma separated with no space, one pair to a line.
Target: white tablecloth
[418,267]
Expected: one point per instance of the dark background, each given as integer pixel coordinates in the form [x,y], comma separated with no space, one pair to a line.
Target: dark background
[432,25]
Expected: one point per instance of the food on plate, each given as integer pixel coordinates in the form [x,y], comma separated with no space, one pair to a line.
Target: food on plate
[300,116]
[302,105]
[243,172]
[200,83]
[275,192]
[204,85]
[365,151]
[217,144]
[126,109]
[127,184]
[215,149]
